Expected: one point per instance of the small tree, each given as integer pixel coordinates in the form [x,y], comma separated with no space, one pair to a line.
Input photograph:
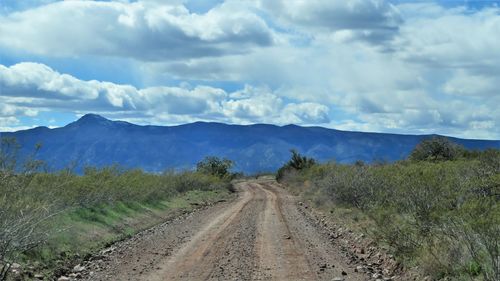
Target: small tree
[297,162]
[300,162]
[435,149]
[215,166]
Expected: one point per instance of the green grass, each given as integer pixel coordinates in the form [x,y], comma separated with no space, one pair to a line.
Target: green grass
[76,215]
[84,231]
[49,219]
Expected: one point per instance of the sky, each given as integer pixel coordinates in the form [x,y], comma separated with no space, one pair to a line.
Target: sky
[410,67]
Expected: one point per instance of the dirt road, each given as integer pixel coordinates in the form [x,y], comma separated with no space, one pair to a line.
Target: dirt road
[261,235]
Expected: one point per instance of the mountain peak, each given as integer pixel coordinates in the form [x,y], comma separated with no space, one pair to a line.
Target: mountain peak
[91,119]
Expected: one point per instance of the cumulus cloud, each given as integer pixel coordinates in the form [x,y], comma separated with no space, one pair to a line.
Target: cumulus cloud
[467,83]
[306,112]
[359,65]
[145,30]
[21,79]
[455,38]
[9,120]
[27,88]
[372,20]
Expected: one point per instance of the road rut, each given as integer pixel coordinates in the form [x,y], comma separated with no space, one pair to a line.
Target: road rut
[261,235]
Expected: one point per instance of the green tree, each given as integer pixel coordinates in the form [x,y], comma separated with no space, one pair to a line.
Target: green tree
[297,162]
[436,149]
[212,165]
[300,162]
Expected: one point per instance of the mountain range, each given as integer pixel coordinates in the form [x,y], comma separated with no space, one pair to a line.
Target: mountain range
[94,140]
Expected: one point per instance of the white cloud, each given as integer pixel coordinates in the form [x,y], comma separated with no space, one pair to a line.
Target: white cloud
[28,76]
[307,112]
[39,88]
[181,101]
[370,20]
[370,65]
[253,104]
[144,30]
[470,84]
[9,121]
[453,39]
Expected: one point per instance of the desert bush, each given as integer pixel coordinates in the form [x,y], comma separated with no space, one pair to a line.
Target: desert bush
[441,215]
[30,197]
[476,230]
[21,217]
[215,166]
[297,162]
[436,148]
[353,186]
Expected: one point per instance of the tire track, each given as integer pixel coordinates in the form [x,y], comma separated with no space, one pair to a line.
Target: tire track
[192,261]
[259,236]
[280,256]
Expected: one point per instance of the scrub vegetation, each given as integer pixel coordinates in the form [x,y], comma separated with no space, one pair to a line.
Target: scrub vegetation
[438,211]
[49,219]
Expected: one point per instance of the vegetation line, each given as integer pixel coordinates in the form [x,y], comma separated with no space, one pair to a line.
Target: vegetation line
[49,219]
[438,210]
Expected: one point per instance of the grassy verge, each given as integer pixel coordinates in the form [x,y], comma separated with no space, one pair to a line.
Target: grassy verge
[49,220]
[84,231]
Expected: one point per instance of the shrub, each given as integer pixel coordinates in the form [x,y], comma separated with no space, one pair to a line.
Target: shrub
[435,149]
[441,215]
[29,197]
[215,166]
[297,162]
[21,216]
[350,185]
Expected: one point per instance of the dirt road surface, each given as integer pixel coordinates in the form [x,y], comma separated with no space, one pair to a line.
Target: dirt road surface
[261,235]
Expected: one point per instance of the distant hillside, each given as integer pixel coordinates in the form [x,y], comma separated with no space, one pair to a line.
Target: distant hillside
[94,140]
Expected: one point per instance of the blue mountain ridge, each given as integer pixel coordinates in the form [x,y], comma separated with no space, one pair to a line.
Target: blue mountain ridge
[96,141]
